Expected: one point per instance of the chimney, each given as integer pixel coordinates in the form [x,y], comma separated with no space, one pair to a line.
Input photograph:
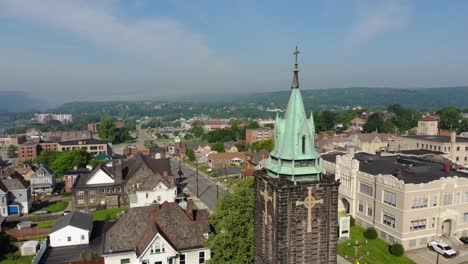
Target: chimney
[399,173]
[351,152]
[189,210]
[446,167]
[165,173]
[453,137]
[265,156]
[118,171]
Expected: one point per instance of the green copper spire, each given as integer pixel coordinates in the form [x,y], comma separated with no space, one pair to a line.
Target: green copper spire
[294,154]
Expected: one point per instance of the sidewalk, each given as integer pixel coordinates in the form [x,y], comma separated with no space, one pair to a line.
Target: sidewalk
[199,203]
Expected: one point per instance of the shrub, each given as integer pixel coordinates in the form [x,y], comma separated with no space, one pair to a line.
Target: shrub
[397,250]
[352,221]
[370,233]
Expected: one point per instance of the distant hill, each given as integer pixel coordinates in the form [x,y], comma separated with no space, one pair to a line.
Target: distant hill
[14,101]
[424,98]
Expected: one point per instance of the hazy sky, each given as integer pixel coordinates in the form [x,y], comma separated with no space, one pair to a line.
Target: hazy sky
[136,49]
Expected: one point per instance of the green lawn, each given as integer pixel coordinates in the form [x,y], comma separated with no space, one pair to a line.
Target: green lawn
[378,250]
[16,258]
[57,206]
[45,224]
[107,214]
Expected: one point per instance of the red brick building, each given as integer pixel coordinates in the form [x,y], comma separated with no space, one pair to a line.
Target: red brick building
[254,135]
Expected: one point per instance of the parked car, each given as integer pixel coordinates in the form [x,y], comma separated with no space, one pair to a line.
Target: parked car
[55,194]
[36,200]
[41,212]
[442,248]
[464,240]
[66,212]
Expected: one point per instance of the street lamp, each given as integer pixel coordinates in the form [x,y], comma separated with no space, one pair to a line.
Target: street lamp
[357,245]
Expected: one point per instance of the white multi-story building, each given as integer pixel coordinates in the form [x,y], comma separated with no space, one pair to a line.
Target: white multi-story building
[64,118]
[409,198]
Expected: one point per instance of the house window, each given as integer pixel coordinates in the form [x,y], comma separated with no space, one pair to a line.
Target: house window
[389,198]
[158,198]
[125,261]
[458,148]
[157,247]
[369,211]
[81,193]
[146,195]
[92,192]
[303,144]
[388,220]
[201,257]
[182,259]
[361,207]
[457,198]
[82,237]
[366,189]
[419,202]
[465,198]
[69,238]
[81,201]
[163,247]
[145,261]
[457,158]
[92,200]
[448,197]
[465,218]
[434,200]
[418,225]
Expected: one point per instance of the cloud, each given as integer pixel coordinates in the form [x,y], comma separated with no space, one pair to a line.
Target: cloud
[162,39]
[378,18]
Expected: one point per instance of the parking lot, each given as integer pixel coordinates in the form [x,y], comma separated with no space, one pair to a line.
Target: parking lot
[427,256]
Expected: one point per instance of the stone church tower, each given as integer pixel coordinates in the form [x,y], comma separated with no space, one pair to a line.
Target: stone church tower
[296,204]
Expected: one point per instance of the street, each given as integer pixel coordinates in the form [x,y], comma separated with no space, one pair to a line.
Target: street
[206,187]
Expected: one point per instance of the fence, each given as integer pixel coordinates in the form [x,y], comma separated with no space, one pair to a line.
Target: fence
[40,253]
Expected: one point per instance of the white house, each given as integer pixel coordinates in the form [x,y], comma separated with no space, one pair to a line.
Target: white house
[71,230]
[162,234]
[159,193]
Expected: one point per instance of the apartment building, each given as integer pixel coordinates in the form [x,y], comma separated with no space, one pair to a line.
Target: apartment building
[91,145]
[409,198]
[254,135]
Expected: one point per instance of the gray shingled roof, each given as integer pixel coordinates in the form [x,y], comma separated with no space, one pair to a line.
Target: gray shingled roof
[76,219]
[14,184]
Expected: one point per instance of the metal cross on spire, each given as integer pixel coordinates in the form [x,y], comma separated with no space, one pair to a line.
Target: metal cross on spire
[296,52]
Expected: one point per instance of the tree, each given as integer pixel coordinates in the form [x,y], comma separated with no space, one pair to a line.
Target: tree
[221,135]
[375,122]
[397,250]
[12,151]
[218,146]
[233,221]
[190,154]
[67,160]
[267,144]
[450,118]
[197,129]
[370,233]
[110,132]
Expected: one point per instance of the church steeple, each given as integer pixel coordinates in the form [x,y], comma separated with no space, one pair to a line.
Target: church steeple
[295,82]
[294,154]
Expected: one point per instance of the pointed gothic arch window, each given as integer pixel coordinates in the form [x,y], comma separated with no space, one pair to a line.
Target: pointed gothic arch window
[303,144]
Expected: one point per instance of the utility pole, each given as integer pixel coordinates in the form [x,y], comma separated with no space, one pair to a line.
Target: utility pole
[357,245]
[196,166]
[217,186]
[180,175]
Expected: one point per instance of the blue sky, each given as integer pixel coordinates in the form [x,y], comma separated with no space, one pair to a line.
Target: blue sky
[142,49]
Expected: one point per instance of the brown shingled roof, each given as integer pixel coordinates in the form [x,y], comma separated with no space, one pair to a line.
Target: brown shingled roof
[135,230]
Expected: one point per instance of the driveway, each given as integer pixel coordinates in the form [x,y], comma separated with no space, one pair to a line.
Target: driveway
[426,256]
